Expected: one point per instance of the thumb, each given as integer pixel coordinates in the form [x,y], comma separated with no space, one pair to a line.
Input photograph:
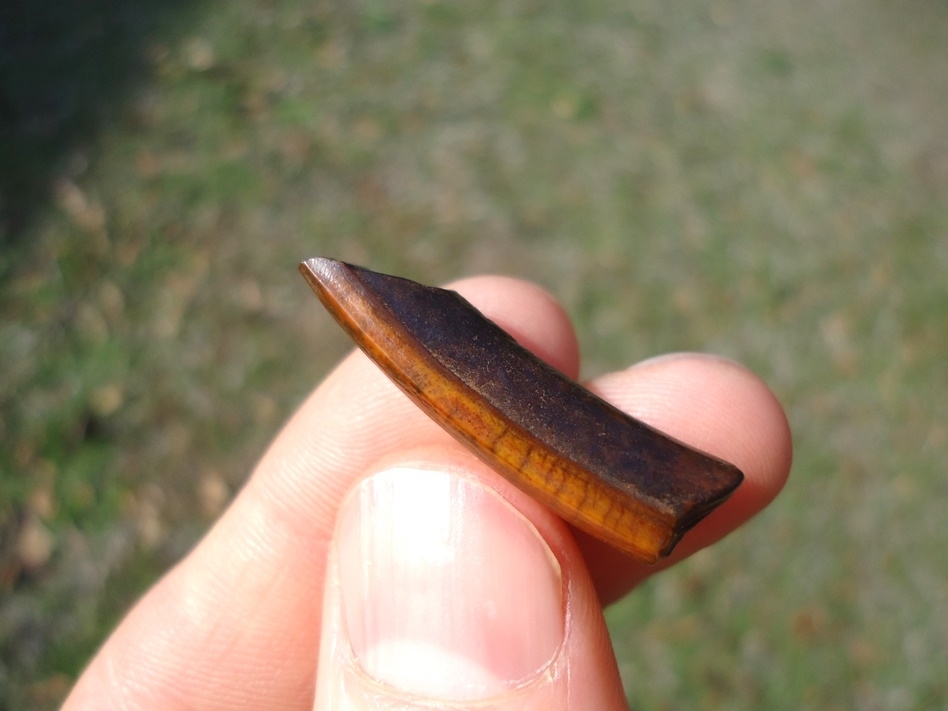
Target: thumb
[440,593]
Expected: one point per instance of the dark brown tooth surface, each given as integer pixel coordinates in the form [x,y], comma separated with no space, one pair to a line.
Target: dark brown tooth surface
[600,469]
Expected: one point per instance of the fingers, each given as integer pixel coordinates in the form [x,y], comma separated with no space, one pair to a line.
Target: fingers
[237,624]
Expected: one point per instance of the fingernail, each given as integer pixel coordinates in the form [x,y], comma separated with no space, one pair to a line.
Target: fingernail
[448,592]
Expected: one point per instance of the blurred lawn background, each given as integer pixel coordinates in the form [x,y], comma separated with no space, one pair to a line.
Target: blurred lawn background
[763,180]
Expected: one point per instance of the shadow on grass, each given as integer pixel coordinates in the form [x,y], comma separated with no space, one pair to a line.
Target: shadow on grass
[65,68]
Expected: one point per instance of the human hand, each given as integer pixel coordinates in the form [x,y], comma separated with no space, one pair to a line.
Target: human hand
[435,583]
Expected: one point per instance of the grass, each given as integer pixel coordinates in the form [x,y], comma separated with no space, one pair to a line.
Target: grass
[760,180]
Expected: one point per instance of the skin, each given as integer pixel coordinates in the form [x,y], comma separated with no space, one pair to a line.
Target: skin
[237,623]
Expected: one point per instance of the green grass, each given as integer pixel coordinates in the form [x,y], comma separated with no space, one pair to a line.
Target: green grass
[761,180]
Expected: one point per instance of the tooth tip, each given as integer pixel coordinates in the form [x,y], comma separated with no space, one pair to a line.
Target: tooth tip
[323,270]
[319,265]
